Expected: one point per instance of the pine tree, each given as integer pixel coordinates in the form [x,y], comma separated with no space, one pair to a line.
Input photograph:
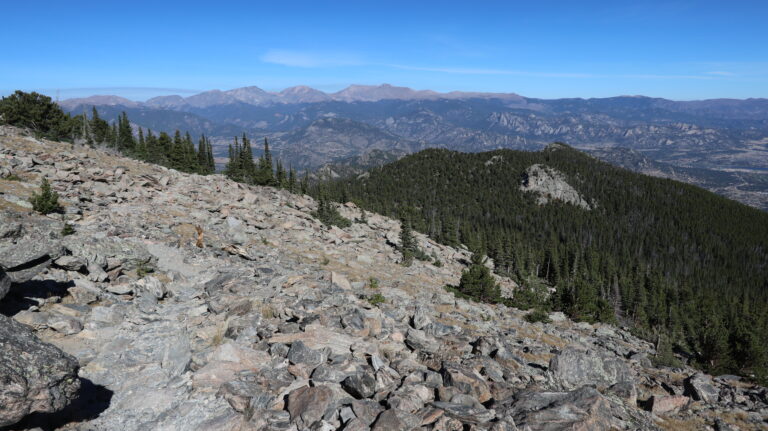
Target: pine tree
[477,281]
[292,180]
[328,214]
[99,127]
[177,153]
[211,162]
[125,142]
[280,177]
[247,166]
[141,147]
[47,201]
[190,156]
[233,170]
[265,175]
[114,135]
[304,186]
[407,243]
[202,155]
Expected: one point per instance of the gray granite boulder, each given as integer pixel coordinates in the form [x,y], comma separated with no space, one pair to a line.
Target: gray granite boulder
[34,376]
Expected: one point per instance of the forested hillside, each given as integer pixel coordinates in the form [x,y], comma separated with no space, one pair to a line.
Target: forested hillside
[686,268]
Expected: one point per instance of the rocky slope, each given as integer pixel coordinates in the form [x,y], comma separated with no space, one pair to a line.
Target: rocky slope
[196,303]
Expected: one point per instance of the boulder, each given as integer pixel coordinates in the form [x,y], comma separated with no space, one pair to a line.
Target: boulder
[582,409]
[28,245]
[420,318]
[668,404]
[361,385]
[153,286]
[700,387]
[419,340]
[340,281]
[299,353]
[394,419]
[308,405]
[35,376]
[575,367]
[70,263]
[468,414]
[466,380]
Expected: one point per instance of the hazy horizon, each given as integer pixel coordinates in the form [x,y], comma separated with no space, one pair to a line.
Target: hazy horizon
[142,94]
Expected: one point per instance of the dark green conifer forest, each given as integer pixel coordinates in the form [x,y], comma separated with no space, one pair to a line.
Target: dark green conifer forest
[682,266]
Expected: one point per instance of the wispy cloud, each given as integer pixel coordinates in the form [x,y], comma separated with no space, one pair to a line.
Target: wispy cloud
[656,76]
[513,72]
[111,90]
[310,59]
[481,71]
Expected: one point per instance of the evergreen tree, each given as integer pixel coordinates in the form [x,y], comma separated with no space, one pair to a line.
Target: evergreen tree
[141,152]
[304,186]
[36,112]
[265,175]
[114,136]
[211,162]
[407,243]
[177,155]
[328,214]
[99,127]
[47,201]
[477,281]
[247,166]
[292,180]
[125,141]
[280,177]
[234,168]
[203,156]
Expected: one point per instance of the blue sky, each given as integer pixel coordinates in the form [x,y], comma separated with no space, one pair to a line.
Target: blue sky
[674,49]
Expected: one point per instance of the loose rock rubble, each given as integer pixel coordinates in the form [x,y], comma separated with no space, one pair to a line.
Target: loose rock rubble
[196,303]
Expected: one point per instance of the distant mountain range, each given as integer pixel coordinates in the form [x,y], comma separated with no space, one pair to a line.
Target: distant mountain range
[299,94]
[309,128]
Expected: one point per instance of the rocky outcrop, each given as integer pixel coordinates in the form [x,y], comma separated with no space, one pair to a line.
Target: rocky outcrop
[549,184]
[34,376]
[268,322]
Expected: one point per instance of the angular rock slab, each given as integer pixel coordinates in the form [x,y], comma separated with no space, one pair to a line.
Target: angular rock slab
[34,376]
[575,367]
[307,405]
[582,409]
[700,387]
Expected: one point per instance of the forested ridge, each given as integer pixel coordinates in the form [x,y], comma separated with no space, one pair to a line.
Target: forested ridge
[684,267]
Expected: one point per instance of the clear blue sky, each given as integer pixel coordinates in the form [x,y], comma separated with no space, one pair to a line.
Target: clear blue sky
[675,49]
